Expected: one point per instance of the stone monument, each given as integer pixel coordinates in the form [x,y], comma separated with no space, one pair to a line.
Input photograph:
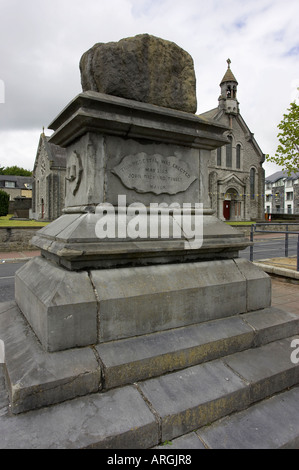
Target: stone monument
[106,311]
[121,287]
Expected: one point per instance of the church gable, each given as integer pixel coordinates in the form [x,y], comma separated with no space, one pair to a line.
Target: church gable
[49,180]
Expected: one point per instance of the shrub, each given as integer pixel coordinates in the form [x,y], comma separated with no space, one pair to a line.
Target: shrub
[4,203]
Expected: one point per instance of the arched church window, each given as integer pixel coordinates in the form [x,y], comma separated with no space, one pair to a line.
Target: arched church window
[252,183]
[229,152]
[238,156]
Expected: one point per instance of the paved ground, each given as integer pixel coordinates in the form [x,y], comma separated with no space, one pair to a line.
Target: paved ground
[285,295]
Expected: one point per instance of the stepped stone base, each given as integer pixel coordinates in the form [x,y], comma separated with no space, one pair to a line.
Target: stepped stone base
[37,378]
[235,387]
[165,351]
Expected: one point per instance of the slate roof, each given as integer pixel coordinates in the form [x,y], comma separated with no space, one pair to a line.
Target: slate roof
[228,77]
[20,181]
[281,174]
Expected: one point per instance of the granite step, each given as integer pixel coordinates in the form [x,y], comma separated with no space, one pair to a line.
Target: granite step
[150,412]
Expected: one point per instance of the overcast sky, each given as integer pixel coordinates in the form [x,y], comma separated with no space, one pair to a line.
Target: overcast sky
[42,42]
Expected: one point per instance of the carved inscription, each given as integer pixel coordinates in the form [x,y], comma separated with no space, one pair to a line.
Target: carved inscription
[154,173]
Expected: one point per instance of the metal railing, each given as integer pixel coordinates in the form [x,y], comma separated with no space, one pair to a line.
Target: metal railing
[286,232]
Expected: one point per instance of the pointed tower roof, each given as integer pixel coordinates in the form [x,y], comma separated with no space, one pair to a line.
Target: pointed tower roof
[229,76]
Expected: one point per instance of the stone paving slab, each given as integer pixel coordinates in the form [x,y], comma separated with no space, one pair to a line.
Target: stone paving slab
[270,424]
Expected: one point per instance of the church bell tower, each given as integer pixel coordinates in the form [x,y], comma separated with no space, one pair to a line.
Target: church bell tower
[228,98]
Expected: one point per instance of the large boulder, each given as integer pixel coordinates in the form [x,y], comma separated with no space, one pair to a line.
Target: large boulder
[142,68]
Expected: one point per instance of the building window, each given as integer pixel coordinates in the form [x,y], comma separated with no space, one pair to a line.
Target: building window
[219,156]
[229,152]
[238,157]
[10,184]
[290,196]
[252,183]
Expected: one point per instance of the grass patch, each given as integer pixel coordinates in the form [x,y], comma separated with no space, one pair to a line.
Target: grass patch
[6,222]
[241,223]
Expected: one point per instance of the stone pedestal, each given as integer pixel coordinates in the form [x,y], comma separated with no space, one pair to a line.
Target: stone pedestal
[89,292]
[86,290]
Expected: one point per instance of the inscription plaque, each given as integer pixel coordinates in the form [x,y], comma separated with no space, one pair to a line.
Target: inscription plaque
[154,173]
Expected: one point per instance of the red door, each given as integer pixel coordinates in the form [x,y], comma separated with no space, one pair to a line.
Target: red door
[226,210]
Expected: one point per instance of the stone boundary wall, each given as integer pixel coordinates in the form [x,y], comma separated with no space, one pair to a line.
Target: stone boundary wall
[17,238]
[275,227]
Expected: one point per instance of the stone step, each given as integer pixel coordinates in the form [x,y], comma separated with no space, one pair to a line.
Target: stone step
[37,378]
[117,419]
[148,413]
[134,359]
[191,398]
[269,424]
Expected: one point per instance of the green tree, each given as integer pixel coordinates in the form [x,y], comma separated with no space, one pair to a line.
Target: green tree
[287,153]
[15,170]
[4,203]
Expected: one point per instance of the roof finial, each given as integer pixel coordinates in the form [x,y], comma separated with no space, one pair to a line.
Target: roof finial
[228,63]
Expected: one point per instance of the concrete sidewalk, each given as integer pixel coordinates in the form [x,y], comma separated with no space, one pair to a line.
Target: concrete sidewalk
[283,267]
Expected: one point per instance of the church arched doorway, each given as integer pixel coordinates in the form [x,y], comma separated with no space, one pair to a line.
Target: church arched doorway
[232,205]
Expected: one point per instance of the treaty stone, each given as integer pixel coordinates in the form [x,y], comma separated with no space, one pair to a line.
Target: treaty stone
[143,68]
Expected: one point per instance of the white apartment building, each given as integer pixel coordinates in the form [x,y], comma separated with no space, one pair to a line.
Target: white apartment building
[282,193]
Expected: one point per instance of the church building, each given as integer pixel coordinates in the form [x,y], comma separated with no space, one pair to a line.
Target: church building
[49,180]
[236,175]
